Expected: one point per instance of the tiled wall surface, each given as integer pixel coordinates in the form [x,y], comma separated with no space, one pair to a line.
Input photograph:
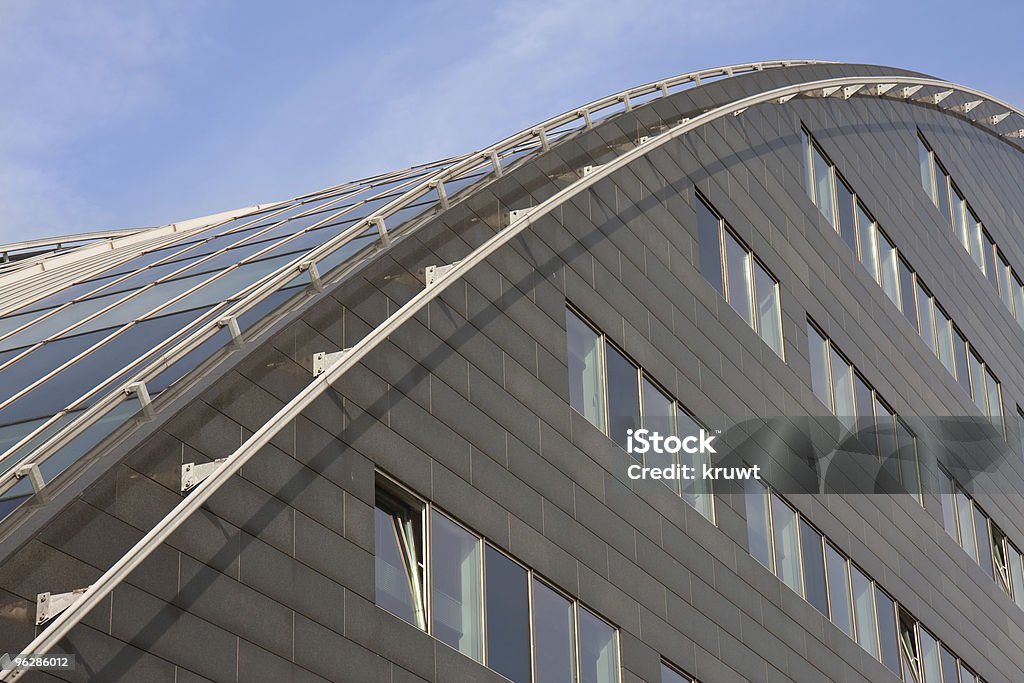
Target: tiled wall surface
[467,406]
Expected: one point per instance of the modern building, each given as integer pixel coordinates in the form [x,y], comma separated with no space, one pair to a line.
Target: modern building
[379,432]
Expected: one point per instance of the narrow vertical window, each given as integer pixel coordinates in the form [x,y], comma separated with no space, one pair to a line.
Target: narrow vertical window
[990,262]
[842,389]
[455,578]
[963,373]
[864,610]
[1005,290]
[821,380]
[965,521]
[977,242]
[709,242]
[1018,299]
[759,532]
[885,428]
[508,617]
[947,497]
[907,293]
[737,269]
[910,470]
[1001,559]
[815,589]
[808,164]
[670,675]
[838,589]
[950,667]
[960,220]
[888,266]
[845,203]
[966,675]
[909,650]
[930,658]
[787,544]
[1016,570]
[863,408]
[586,370]
[696,491]
[623,395]
[398,557]
[554,636]
[658,416]
[888,643]
[984,540]
[942,194]
[866,231]
[926,324]
[978,391]
[995,401]
[598,656]
[823,188]
[944,339]
[769,312]
[924,156]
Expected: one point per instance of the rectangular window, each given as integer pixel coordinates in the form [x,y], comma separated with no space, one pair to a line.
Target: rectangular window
[930,657]
[815,590]
[864,610]
[838,589]
[888,265]
[598,653]
[965,523]
[907,293]
[508,617]
[963,373]
[737,269]
[966,675]
[759,531]
[990,262]
[1016,570]
[696,491]
[554,636]
[786,544]
[909,650]
[1005,290]
[845,202]
[823,189]
[888,645]
[950,667]
[984,540]
[977,241]
[769,311]
[623,395]
[978,390]
[586,370]
[670,675]
[926,324]
[821,380]
[863,408]
[960,227]
[709,242]
[947,497]
[1018,299]
[944,339]
[910,470]
[866,232]
[658,416]
[456,595]
[995,401]
[398,558]
[1001,559]
[924,156]
[808,164]
[842,389]
[942,194]
[885,428]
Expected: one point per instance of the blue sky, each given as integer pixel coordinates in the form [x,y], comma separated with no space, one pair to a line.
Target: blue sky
[119,114]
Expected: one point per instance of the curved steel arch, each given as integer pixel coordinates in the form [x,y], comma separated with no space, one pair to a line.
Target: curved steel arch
[904,89]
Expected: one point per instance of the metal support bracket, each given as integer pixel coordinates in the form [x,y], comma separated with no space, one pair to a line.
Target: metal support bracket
[545,145]
[192,474]
[31,470]
[141,392]
[432,274]
[314,279]
[49,605]
[585,113]
[880,89]
[231,322]
[324,360]
[385,238]
[516,214]
[935,98]
[442,195]
[966,107]
[909,91]
[496,163]
[626,103]
[642,139]
[996,119]
[587,170]
[1016,135]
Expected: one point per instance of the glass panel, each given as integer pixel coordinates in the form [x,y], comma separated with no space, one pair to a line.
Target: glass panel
[30,368]
[815,590]
[925,162]
[658,417]
[977,243]
[838,590]
[737,267]
[769,312]
[984,539]
[508,617]
[944,339]
[1003,273]
[1016,575]
[990,263]
[1018,300]
[92,435]
[965,520]
[696,491]
[909,470]
[758,524]
[866,231]
[787,549]
[995,403]
[885,428]
[930,658]
[623,395]
[586,372]
[925,315]
[672,676]
[942,195]
[864,611]
[888,266]
[948,500]
[847,227]
[950,667]
[821,382]
[455,586]
[56,322]
[963,373]
[189,361]
[598,656]
[554,636]
[823,186]
[907,293]
[141,303]
[231,283]
[960,220]
[809,176]
[888,646]
[978,389]
[397,569]
[966,675]
[864,410]
[709,242]
[842,389]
